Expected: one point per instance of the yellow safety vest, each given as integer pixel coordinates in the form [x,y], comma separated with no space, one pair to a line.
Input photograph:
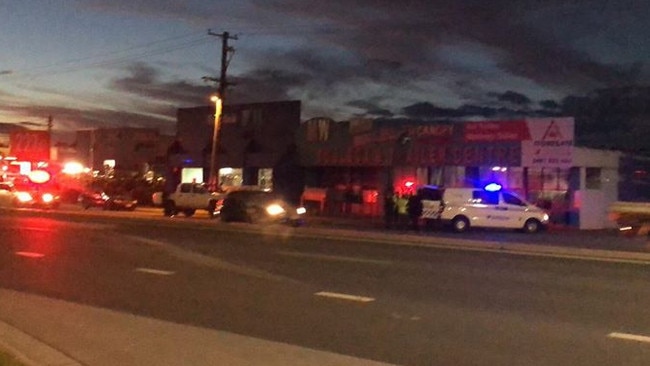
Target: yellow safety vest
[401,203]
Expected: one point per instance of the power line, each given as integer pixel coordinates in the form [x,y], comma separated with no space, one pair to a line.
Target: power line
[110,58]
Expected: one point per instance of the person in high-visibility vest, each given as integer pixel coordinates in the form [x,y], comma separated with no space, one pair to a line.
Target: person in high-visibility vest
[401,202]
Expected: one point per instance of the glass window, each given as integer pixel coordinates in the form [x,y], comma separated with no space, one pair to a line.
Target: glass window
[592,179]
[186,187]
[512,199]
[430,194]
[485,197]
[200,188]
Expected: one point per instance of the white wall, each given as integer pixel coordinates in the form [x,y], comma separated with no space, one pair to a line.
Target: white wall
[594,203]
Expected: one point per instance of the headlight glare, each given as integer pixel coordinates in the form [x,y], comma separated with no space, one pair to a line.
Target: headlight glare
[47,197]
[24,197]
[274,209]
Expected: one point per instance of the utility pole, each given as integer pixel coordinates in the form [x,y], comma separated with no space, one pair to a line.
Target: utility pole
[50,124]
[226,52]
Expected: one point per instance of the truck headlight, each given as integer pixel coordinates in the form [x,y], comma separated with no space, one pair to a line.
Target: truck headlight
[24,197]
[47,197]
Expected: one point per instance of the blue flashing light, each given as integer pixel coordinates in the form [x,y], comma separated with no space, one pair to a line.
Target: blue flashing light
[493,187]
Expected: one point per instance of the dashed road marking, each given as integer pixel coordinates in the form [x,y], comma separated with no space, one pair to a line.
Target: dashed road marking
[30,254]
[630,337]
[155,271]
[337,295]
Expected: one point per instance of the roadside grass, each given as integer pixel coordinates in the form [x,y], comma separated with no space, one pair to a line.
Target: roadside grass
[6,359]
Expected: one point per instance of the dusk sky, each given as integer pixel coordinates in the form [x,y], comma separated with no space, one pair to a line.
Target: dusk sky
[133,63]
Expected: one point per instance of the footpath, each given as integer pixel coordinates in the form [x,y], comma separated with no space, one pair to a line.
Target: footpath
[42,331]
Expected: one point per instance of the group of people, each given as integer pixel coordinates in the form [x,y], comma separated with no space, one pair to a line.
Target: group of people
[402,210]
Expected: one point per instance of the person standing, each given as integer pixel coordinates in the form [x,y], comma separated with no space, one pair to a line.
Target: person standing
[402,213]
[414,208]
[390,209]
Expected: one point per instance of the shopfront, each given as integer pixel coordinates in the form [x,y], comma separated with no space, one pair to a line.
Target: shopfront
[356,162]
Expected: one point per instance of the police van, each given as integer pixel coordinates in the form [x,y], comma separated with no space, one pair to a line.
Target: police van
[487,207]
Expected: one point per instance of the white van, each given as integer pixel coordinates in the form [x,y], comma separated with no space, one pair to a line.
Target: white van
[489,207]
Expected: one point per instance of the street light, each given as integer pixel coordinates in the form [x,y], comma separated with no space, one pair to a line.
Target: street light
[214,179]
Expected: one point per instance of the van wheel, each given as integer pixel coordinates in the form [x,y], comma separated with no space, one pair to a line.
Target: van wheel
[170,208]
[532,226]
[189,212]
[460,224]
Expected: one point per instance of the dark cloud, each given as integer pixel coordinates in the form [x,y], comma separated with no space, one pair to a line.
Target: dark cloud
[525,35]
[145,81]
[514,98]
[370,109]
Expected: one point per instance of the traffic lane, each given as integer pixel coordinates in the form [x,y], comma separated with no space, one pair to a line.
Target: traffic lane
[249,250]
[406,332]
[223,249]
[607,239]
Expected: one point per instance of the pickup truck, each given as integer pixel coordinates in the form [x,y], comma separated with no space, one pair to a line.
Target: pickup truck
[189,197]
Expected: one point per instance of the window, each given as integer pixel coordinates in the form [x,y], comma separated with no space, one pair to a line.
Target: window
[512,199]
[485,197]
[186,188]
[592,178]
[200,188]
[430,194]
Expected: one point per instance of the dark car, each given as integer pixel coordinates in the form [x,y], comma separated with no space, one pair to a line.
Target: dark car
[107,202]
[259,206]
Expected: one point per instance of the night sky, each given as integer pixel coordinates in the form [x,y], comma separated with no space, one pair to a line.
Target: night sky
[133,63]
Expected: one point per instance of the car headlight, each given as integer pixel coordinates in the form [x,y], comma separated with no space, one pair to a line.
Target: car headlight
[301,210]
[24,197]
[274,209]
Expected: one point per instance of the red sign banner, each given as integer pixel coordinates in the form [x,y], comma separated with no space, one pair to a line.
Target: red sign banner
[30,145]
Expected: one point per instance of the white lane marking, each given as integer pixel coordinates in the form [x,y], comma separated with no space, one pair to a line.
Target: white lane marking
[629,337]
[337,295]
[155,271]
[30,254]
[335,258]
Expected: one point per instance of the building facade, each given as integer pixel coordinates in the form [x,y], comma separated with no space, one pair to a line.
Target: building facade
[125,148]
[255,145]
[357,162]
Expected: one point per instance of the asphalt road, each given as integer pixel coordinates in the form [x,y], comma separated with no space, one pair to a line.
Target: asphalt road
[375,301]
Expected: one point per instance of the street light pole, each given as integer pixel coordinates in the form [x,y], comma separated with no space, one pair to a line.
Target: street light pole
[214,178]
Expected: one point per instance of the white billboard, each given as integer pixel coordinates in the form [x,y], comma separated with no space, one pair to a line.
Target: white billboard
[550,144]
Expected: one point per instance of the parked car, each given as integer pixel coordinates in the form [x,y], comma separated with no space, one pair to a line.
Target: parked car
[487,207]
[187,198]
[107,202]
[260,206]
